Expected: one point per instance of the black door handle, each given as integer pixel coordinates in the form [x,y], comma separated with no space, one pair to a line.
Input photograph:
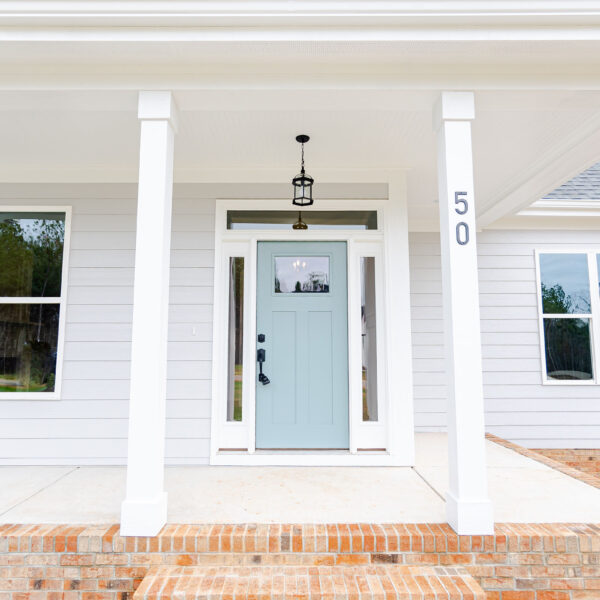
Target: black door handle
[261,357]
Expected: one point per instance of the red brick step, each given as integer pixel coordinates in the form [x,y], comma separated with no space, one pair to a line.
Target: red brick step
[385,582]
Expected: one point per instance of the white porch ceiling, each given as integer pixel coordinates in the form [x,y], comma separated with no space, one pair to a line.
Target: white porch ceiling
[93,136]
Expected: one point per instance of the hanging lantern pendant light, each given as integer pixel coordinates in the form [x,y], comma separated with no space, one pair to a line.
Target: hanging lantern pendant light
[302,182]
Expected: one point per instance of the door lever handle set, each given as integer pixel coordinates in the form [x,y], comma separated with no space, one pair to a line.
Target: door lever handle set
[261,357]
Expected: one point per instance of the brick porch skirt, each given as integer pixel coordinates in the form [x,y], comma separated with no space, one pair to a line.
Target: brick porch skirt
[587,460]
[519,562]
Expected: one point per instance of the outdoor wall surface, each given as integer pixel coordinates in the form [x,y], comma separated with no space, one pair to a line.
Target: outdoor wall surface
[89,424]
[518,407]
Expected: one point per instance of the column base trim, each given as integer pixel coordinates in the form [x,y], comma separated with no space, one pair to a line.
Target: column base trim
[143,517]
[470,517]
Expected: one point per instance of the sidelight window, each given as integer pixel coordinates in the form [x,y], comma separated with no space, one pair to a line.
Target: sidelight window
[368,315]
[235,367]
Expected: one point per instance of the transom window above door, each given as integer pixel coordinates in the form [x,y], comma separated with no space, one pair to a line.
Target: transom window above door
[314,219]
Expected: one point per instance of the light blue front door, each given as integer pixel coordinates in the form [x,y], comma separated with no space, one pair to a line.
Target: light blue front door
[302,311]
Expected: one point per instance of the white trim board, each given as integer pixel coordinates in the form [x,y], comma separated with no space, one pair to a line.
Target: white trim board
[374,435]
[562,208]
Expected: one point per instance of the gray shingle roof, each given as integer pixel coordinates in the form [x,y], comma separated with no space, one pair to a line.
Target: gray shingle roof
[585,186]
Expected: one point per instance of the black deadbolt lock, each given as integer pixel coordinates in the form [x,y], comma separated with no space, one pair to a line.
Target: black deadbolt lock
[261,337]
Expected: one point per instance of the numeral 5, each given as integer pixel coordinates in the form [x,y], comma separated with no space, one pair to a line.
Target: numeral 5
[462,202]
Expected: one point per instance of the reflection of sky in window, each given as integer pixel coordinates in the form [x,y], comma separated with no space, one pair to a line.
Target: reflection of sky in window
[31,223]
[290,269]
[570,271]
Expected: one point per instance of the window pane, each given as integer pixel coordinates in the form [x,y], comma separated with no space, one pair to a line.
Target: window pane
[568,351]
[369,339]
[31,252]
[28,340]
[236,339]
[565,283]
[301,274]
[315,219]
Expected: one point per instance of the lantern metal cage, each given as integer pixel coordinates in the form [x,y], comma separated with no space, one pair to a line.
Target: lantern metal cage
[303,182]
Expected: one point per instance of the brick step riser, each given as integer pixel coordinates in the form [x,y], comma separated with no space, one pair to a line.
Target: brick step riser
[309,583]
[531,562]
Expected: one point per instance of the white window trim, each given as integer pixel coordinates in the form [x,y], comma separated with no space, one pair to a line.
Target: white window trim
[62,302]
[594,317]
[241,435]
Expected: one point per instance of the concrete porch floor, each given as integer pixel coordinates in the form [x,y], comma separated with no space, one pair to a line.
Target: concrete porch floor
[521,489]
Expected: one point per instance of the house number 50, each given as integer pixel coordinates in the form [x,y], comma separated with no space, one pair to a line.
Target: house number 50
[461,208]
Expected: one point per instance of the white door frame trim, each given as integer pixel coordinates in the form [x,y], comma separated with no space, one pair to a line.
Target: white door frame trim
[239,437]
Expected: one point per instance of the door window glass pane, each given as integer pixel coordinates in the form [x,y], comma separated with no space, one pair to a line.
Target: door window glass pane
[301,274]
[568,350]
[28,343]
[565,283]
[369,338]
[31,252]
[236,339]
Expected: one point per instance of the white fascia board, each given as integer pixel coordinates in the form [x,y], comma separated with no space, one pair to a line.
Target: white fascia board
[562,208]
[295,32]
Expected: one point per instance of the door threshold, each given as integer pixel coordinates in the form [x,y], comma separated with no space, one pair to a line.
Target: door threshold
[308,458]
[303,450]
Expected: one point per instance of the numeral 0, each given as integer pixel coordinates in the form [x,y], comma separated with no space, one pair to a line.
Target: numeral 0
[462,233]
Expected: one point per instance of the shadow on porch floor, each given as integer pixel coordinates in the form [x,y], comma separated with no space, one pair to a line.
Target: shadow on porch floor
[521,489]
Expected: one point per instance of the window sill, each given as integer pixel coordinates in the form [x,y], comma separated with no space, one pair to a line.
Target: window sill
[29,396]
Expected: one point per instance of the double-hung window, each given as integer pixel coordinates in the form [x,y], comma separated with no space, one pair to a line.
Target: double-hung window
[33,252]
[569,305]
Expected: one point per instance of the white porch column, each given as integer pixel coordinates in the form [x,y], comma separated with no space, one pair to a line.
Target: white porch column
[468,508]
[144,510]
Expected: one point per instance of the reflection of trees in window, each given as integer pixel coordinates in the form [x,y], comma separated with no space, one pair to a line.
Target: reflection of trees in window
[236,338]
[556,301]
[28,347]
[568,354]
[316,281]
[31,257]
[31,252]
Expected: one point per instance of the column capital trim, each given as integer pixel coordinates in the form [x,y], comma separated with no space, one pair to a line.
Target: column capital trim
[453,106]
[158,106]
